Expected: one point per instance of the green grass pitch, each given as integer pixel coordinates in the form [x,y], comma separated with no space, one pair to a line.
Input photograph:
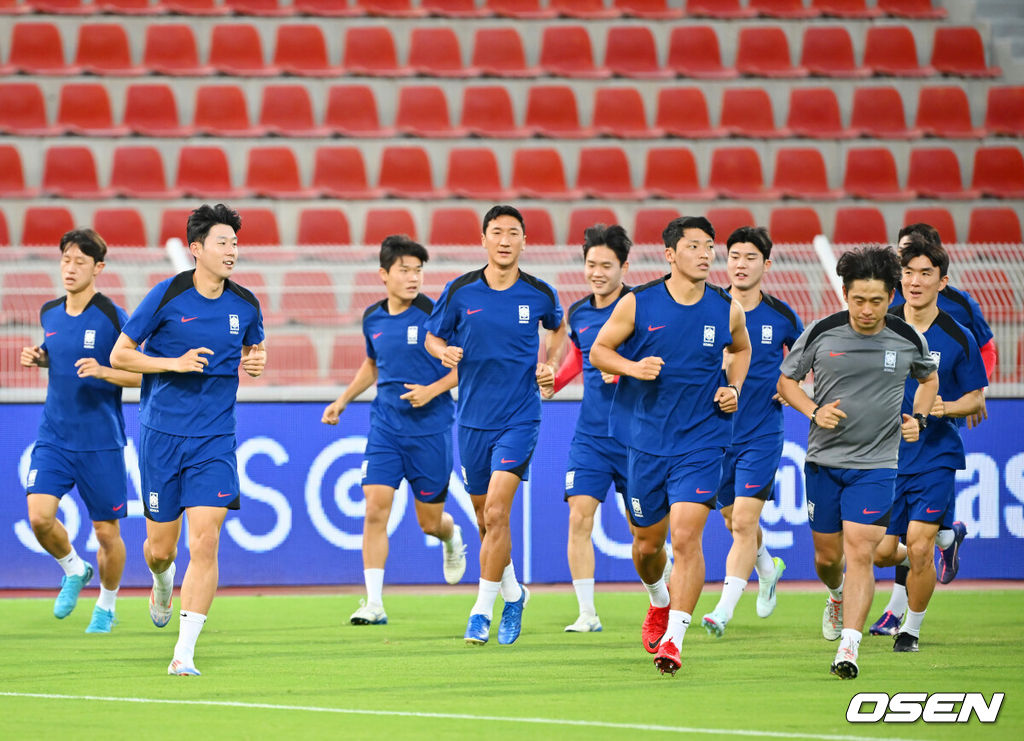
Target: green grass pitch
[298,657]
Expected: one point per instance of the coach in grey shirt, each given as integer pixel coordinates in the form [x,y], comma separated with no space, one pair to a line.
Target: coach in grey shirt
[860,359]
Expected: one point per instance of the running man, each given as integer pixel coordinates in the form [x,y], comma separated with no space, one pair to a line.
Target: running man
[861,359]
[197,326]
[81,435]
[410,421]
[748,472]
[675,417]
[485,323]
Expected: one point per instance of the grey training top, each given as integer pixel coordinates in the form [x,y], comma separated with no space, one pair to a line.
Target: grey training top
[867,373]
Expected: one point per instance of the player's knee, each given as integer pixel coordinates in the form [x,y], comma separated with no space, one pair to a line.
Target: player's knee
[495,516]
[41,523]
[827,557]
[921,553]
[108,534]
[203,545]
[161,553]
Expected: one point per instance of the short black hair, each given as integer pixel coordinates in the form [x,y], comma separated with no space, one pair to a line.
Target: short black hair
[870,263]
[674,231]
[206,217]
[89,242]
[396,246]
[755,235]
[613,237]
[502,210]
[927,231]
[917,246]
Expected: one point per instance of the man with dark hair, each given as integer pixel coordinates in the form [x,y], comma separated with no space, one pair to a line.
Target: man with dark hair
[410,421]
[81,435]
[861,359]
[666,341]
[748,471]
[197,326]
[485,323]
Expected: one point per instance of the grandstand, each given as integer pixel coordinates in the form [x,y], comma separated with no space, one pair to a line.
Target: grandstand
[331,123]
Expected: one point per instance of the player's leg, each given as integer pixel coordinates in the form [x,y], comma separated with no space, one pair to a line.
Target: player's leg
[888,554]
[475,449]
[580,553]
[742,519]
[920,582]
[159,463]
[110,559]
[823,491]
[433,520]
[428,466]
[951,534]
[375,554]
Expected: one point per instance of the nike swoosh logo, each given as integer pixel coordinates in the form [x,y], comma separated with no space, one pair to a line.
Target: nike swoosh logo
[50,334]
[377,335]
[508,460]
[653,645]
[584,329]
[835,354]
[752,486]
[872,511]
[701,491]
[473,311]
[931,511]
[222,495]
[118,507]
[426,493]
[188,319]
[654,329]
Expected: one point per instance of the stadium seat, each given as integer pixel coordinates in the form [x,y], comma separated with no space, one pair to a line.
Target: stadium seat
[380,222]
[960,51]
[551,111]
[539,173]
[891,50]
[473,173]
[236,49]
[571,286]
[171,50]
[524,9]
[5,234]
[727,220]
[944,111]
[203,172]
[255,282]
[273,172]
[62,7]
[70,172]
[871,173]
[103,50]
[295,363]
[196,7]
[994,225]
[846,9]
[800,173]
[339,172]
[111,285]
[919,9]
[619,112]
[435,52]
[671,172]
[487,111]
[23,294]
[151,110]
[999,172]
[259,227]
[286,110]
[1005,111]
[655,10]
[992,288]
[878,113]
[683,112]
[789,9]
[172,225]
[352,111]
[747,113]
[604,173]
[859,224]
[423,111]
[498,52]
[12,374]
[221,110]
[935,173]
[814,113]
[454,226]
[586,9]
[371,51]
[764,52]
[326,8]
[405,173]
[828,52]
[390,8]
[12,175]
[45,225]
[308,297]
[792,287]
[37,49]
[454,8]
[120,227]
[736,173]
[347,354]
[301,50]
[264,8]
[794,225]
[582,218]
[538,226]
[938,217]
[84,109]
[565,51]
[138,172]
[650,223]
[630,52]
[693,51]
[323,226]
[23,110]
[724,9]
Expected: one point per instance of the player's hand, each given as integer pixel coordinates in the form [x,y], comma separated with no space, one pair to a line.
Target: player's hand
[254,361]
[938,408]
[31,356]
[910,429]
[978,417]
[828,415]
[417,395]
[90,368]
[192,361]
[331,413]
[451,356]
[647,369]
[609,377]
[546,380]
[728,399]
[777,397]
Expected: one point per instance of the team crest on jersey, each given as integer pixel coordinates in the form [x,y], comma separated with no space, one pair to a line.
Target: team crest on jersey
[362,470]
[412,335]
[32,477]
[766,334]
[709,335]
[524,313]
[570,479]
[810,511]
[637,509]
[154,501]
[233,323]
[890,361]
[90,339]
[936,356]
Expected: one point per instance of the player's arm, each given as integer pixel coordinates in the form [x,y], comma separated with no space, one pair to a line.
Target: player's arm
[127,357]
[419,395]
[924,400]
[91,368]
[604,353]
[35,356]
[554,351]
[736,360]
[449,355]
[967,405]
[254,359]
[826,415]
[365,377]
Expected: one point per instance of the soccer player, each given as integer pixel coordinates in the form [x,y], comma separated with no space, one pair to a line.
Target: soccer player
[197,326]
[925,485]
[485,323]
[861,359]
[748,471]
[410,421]
[665,340]
[81,435]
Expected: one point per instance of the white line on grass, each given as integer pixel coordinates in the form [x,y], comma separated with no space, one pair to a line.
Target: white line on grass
[459,716]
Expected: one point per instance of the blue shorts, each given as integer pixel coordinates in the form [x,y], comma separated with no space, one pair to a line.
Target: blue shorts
[656,482]
[748,470]
[924,497]
[180,472]
[595,464]
[99,475]
[424,461]
[484,451]
[835,495]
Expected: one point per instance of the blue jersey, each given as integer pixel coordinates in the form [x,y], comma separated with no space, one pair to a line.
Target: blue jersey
[395,344]
[497,331]
[81,413]
[174,318]
[585,321]
[772,325]
[962,307]
[675,412]
[960,371]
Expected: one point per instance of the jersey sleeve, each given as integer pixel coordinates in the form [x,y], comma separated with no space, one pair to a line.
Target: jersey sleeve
[970,374]
[796,328]
[797,363]
[552,319]
[370,352]
[923,364]
[979,327]
[441,322]
[144,320]
[254,332]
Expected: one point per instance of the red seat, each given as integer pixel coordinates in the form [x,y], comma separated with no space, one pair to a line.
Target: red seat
[878,113]
[173,223]
[12,373]
[120,227]
[945,111]
[538,173]
[371,51]
[70,172]
[525,9]
[992,288]
[800,173]
[857,224]
[405,173]
[236,49]
[473,173]
[24,294]
[814,113]
[435,52]
[940,218]
[650,223]
[736,173]
[657,10]
[347,355]
[151,110]
[171,50]
[203,172]
[103,50]
[286,110]
[792,287]
[693,51]
[724,9]
[23,110]
[390,8]
[764,52]
[871,173]
[326,8]
[138,172]
[37,49]
[748,113]
[1004,114]
[339,172]
[792,9]
[12,175]
[683,112]
[994,225]
[794,225]
[919,9]
[619,112]
[604,173]
[266,8]
[273,172]
[727,220]
[62,7]
[630,52]
[295,363]
[111,285]
[828,52]
[309,297]
[540,230]
[255,282]
[301,49]
[352,111]
[565,51]
[891,50]
[5,234]
[587,9]
[671,172]
[487,111]
[259,227]
[935,173]
[323,226]
[85,110]
[551,111]
[498,52]
[960,51]
[571,286]
[846,9]
[454,226]
[454,8]
[380,222]
[423,111]
[999,172]
[580,219]
[45,225]
[195,7]
[221,110]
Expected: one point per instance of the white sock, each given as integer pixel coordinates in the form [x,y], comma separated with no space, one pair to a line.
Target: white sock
[72,564]
[912,624]
[189,628]
[944,539]
[897,600]
[585,595]
[732,590]
[765,565]
[905,561]
[163,584]
[374,579]
[837,593]
[108,598]
[658,592]
[511,590]
[454,541]
[850,639]
[485,597]
[678,622]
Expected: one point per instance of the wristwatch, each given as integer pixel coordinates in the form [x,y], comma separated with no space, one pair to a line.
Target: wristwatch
[922,420]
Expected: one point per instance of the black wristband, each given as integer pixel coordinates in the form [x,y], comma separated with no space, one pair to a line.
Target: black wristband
[733,387]
[814,414]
